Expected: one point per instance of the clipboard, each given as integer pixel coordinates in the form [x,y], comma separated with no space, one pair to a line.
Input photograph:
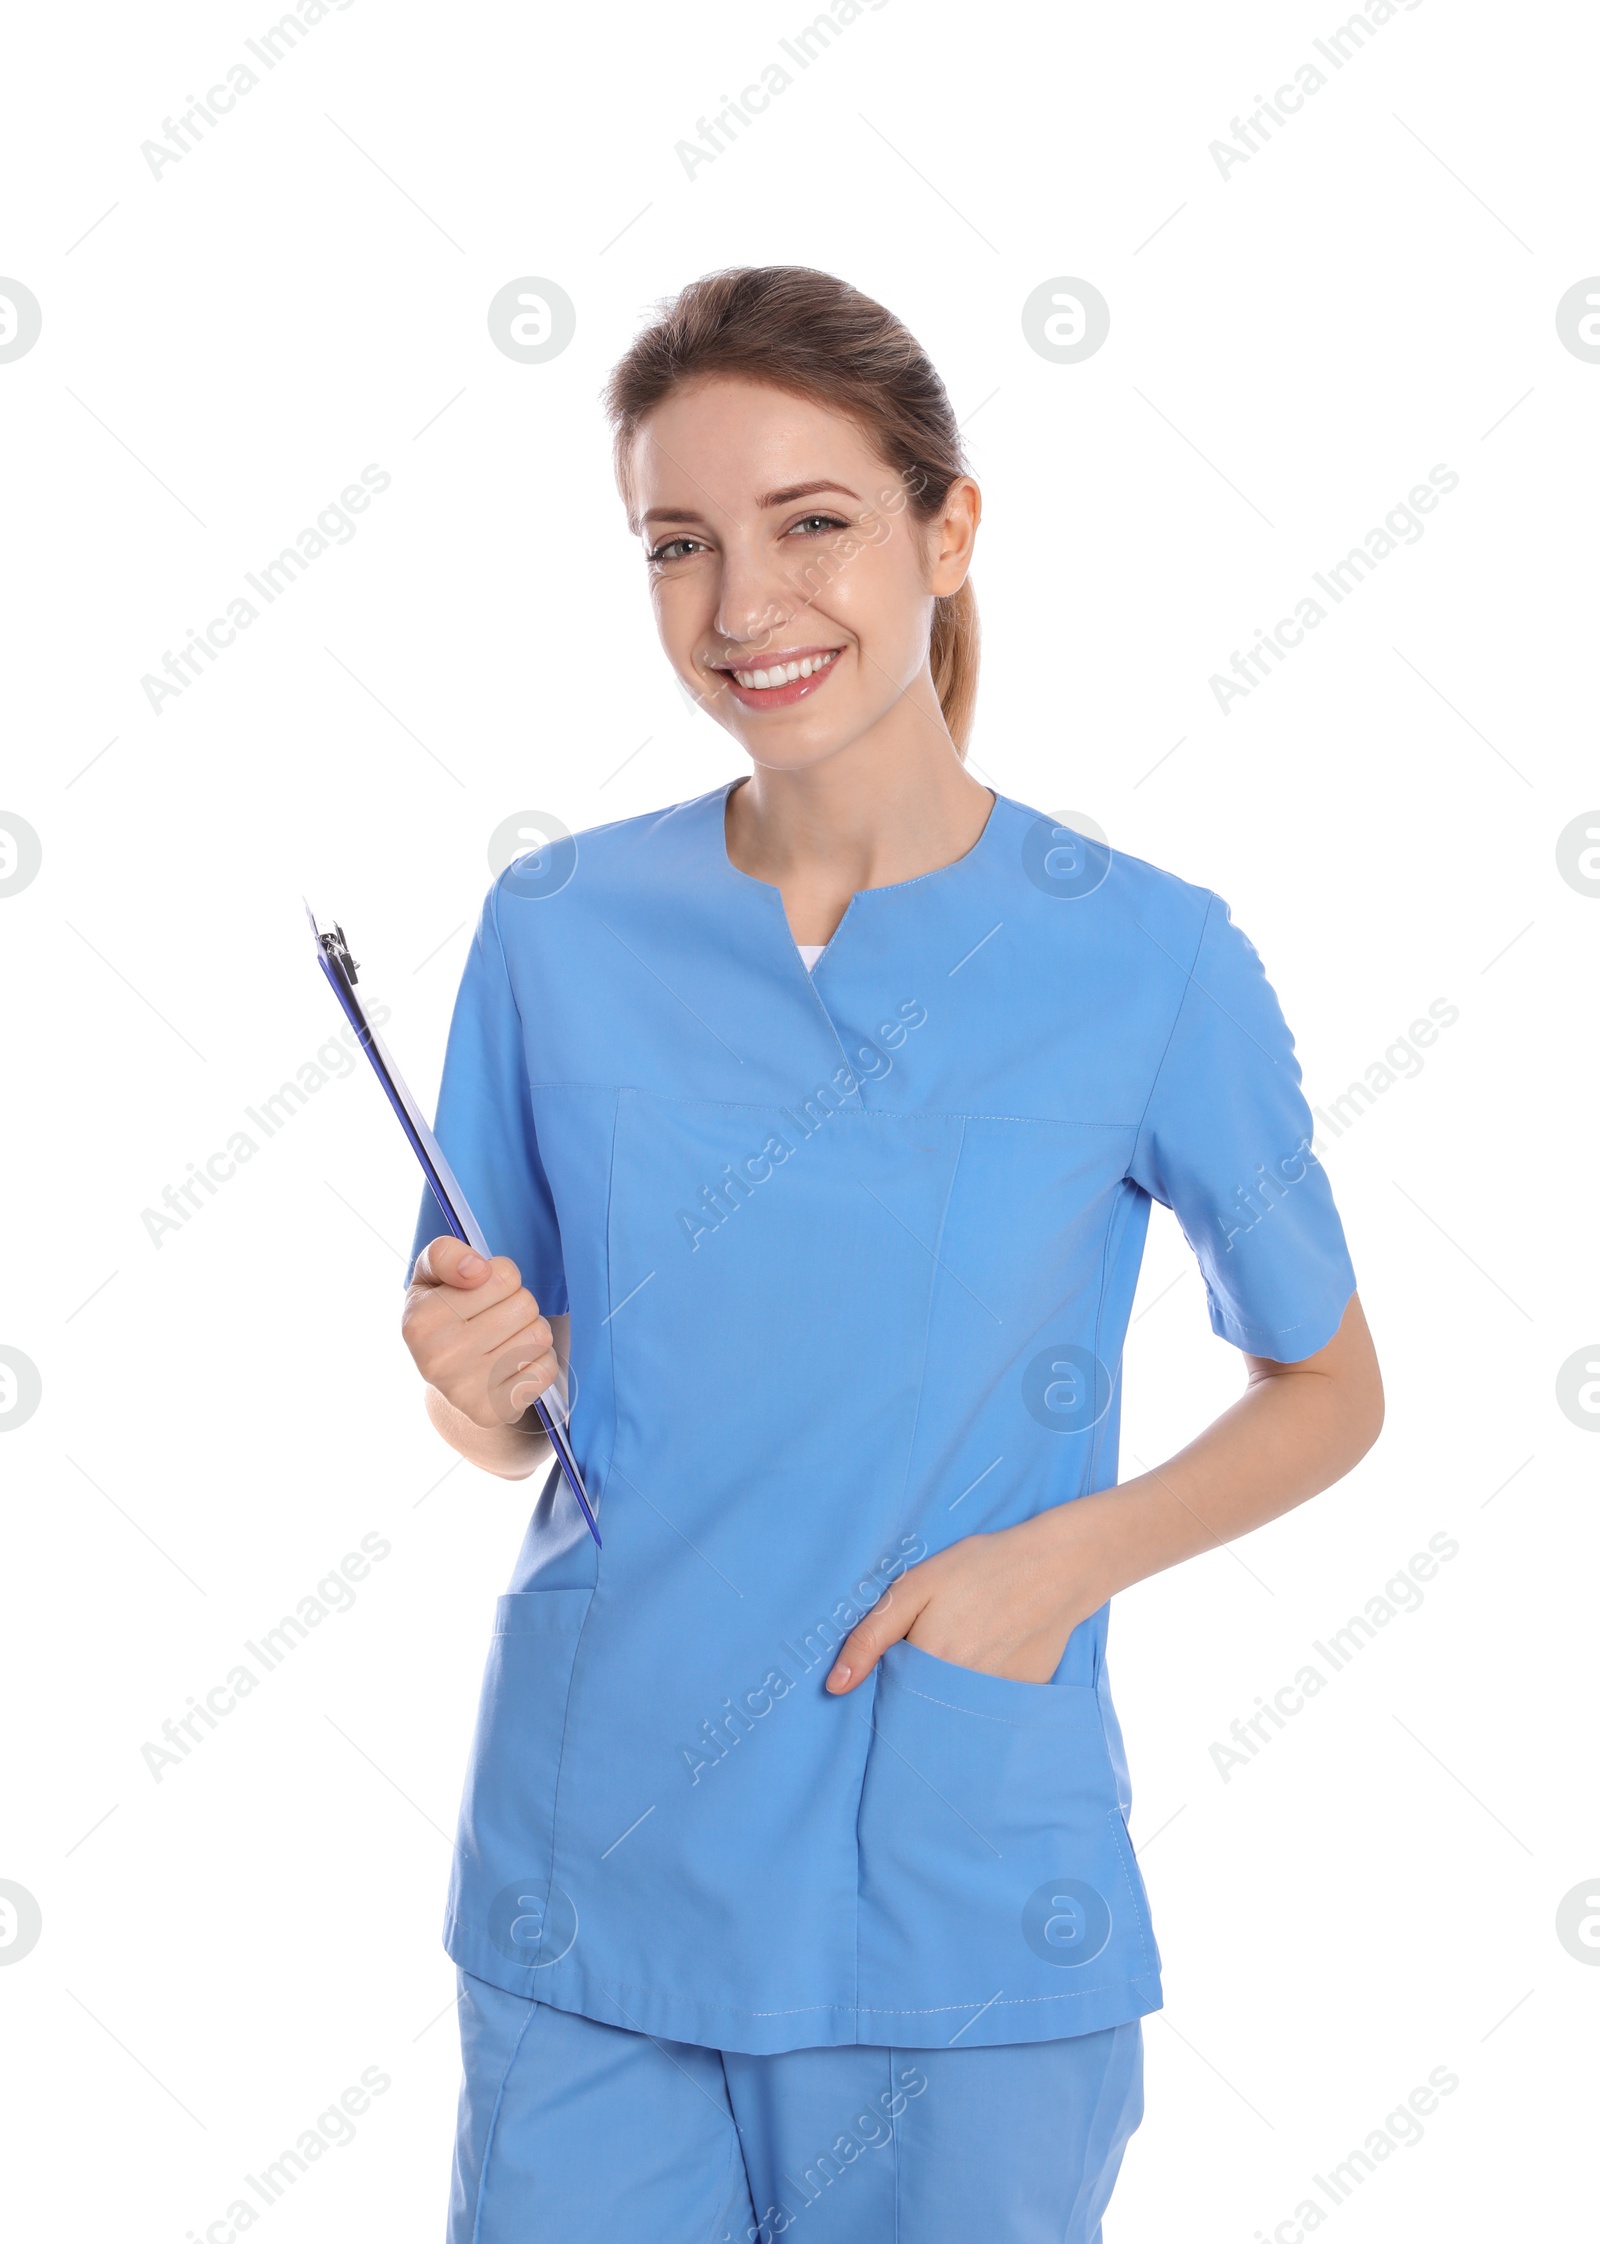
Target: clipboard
[333,956]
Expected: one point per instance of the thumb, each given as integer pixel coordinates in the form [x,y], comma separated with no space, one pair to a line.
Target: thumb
[449,1262]
[889,1620]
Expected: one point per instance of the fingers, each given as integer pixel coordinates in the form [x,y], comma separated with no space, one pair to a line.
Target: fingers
[518,1379]
[437,1334]
[496,1325]
[477,1342]
[467,1285]
[451,1262]
[441,1263]
[889,1620]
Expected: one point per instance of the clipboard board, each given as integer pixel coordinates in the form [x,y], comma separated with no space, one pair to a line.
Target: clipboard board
[333,956]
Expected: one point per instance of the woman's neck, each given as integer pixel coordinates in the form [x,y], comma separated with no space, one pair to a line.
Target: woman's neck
[854,821]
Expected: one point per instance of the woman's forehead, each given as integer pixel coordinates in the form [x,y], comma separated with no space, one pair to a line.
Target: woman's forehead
[740,444]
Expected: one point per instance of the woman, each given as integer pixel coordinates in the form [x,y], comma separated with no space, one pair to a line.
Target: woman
[823,1115]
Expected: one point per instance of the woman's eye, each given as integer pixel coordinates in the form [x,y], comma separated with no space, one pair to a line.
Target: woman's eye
[820,523]
[673,549]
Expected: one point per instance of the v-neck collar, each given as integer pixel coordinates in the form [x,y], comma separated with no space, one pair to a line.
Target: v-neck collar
[863,898]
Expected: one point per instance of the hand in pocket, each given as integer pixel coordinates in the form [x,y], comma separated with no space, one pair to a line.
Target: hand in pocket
[1003,1603]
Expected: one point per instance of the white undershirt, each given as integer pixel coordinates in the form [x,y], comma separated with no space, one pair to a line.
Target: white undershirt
[810,952]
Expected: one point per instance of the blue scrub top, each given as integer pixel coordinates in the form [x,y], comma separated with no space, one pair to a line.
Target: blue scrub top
[849,1257]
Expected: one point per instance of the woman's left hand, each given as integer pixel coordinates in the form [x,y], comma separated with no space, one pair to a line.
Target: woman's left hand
[1006,1603]
[1003,1603]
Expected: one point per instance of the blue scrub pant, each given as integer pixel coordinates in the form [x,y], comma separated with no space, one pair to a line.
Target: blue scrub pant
[572,2132]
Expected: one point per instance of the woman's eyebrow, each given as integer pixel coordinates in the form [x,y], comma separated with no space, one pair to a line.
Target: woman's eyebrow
[793,491]
[785,497]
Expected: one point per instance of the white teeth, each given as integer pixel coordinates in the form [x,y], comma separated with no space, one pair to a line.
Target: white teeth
[783,674]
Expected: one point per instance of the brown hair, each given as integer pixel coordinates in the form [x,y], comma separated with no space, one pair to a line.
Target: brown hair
[807,332]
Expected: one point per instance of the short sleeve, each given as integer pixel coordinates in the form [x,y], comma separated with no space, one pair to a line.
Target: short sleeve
[485,1125]
[1225,1142]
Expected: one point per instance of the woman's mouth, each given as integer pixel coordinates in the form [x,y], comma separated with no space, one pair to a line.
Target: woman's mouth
[781,679]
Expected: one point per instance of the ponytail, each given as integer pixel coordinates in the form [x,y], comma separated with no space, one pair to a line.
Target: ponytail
[953,651]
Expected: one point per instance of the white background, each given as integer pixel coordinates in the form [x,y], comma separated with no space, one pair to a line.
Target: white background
[225,1414]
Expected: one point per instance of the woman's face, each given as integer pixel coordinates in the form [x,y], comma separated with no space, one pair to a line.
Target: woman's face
[793,585]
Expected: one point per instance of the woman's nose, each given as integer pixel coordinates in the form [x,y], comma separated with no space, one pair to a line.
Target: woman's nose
[754,601]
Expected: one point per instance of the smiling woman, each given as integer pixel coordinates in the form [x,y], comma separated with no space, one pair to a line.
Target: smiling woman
[839,354]
[672,1993]
[809,565]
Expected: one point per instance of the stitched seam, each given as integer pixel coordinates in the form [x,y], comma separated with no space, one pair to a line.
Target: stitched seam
[1212,900]
[736,2165]
[533,1120]
[611,1330]
[1006,2002]
[933,1290]
[561,1759]
[1249,1325]
[1010,1721]
[1096,2136]
[500,946]
[876,2010]
[494,2121]
[816,995]
[1123,1853]
[889,2107]
[1097,1445]
[905,1478]
[856,1114]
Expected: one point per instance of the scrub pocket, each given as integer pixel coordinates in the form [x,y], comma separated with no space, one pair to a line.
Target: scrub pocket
[507,1920]
[995,1863]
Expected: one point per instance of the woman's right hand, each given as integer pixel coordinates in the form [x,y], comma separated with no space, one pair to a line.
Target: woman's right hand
[476,1334]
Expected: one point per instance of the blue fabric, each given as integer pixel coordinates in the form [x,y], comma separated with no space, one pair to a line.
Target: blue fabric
[849,1257]
[584,2132]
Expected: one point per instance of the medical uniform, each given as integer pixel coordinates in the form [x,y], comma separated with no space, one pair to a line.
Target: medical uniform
[849,1256]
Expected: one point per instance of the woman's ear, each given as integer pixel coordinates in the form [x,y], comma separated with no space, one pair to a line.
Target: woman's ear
[954,533]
